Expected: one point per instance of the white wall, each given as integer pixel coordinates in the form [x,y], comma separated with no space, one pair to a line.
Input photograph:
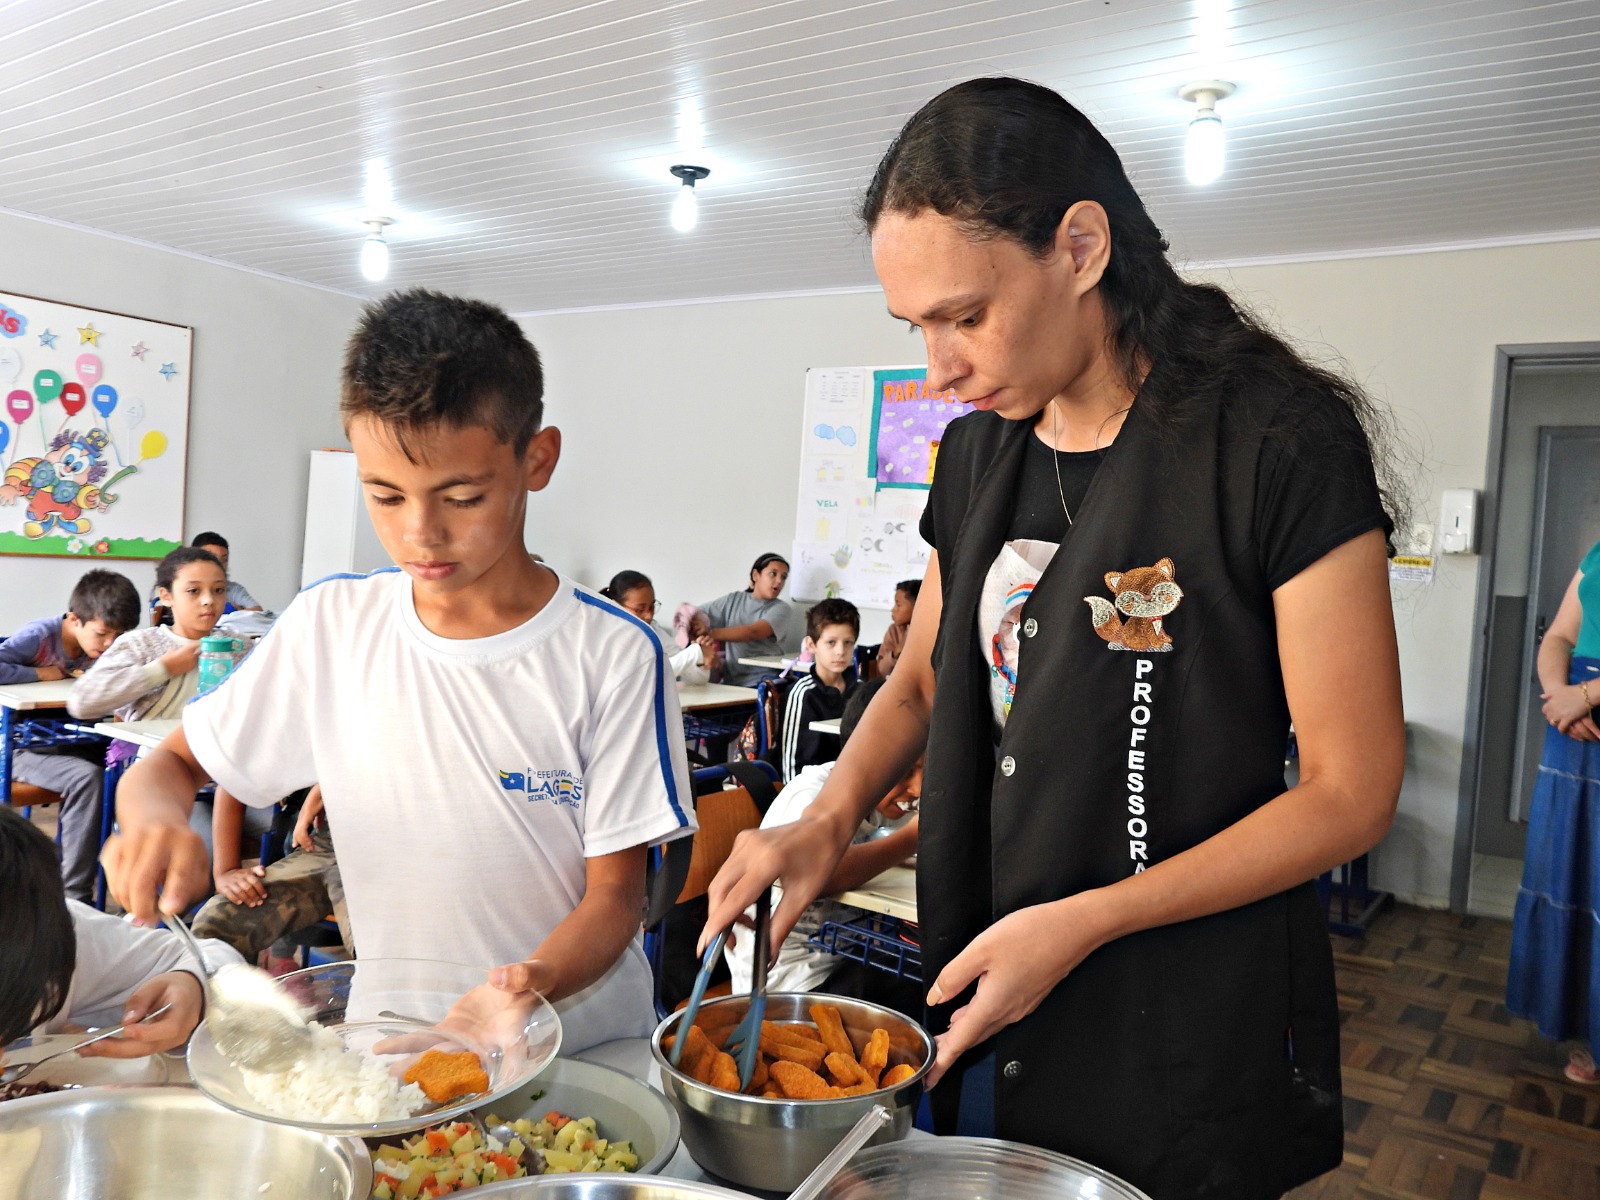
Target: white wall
[682,443]
[264,392]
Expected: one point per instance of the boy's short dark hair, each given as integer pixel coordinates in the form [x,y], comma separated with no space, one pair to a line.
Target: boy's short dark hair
[832,612]
[420,359]
[38,950]
[856,706]
[106,597]
[208,538]
[910,587]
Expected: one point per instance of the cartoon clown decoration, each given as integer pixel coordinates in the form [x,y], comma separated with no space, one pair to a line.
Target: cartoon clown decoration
[61,486]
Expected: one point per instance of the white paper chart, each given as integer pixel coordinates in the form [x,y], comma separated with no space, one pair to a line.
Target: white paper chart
[870,440]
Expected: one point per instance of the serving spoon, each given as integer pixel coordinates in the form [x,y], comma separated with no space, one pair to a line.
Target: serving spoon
[252,1023]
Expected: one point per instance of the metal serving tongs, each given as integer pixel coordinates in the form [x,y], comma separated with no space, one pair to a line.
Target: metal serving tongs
[251,1031]
[745,1041]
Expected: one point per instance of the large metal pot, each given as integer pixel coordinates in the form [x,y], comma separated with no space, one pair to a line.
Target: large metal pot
[774,1144]
[136,1142]
[606,1187]
[972,1169]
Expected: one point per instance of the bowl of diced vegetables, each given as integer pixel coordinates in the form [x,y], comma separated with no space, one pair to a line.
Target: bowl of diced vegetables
[575,1117]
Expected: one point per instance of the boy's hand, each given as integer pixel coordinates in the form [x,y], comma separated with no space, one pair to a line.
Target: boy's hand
[243,885]
[181,659]
[46,674]
[178,988]
[495,1013]
[155,869]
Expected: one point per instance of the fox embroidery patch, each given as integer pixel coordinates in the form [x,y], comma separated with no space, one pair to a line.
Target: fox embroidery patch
[1145,595]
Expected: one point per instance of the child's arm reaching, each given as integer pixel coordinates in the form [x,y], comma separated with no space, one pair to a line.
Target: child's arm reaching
[756,631]
[135,665]
[868,860]
[17,655]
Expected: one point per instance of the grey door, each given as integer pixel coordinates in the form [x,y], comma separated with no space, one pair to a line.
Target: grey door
[1566,523]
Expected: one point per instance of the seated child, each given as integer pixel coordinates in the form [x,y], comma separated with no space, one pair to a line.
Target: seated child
[257,906]
[239,598]
[752,622]
[62,963]
[832,627]
[486,733]
[689,664]
[150,674]
[103,606]
[894,637]
[800,967]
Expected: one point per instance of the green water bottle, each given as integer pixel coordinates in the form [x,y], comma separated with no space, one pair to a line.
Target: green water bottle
[216,659]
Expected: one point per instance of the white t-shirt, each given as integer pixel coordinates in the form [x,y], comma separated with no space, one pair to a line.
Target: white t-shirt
[469,779]
[114,959]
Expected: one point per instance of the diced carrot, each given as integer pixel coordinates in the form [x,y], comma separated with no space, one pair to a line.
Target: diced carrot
[439,1140]
[427,1180]
[506,1164]
[556,1119]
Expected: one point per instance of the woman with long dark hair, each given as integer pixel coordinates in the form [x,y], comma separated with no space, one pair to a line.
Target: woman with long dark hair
[1159,540]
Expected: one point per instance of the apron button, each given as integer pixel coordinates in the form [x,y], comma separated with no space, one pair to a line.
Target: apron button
[1012,1069]
[1007,765]
[1030,627]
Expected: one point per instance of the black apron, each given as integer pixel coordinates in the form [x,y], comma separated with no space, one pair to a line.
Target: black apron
[1194,1060]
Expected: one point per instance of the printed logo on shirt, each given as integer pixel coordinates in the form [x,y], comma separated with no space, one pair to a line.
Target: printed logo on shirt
[558,787]
[1146,596]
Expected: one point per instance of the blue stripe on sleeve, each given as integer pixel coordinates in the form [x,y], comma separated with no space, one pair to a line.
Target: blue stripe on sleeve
[662,745]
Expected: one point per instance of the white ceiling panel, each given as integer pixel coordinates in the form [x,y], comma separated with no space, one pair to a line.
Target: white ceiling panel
[528,142]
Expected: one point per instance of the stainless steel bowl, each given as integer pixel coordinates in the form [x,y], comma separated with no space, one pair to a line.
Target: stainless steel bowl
[138,1142]
[606,1187]
[972,1169]
[774,1144]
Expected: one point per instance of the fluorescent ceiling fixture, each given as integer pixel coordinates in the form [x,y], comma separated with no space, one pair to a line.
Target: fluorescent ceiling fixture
[1205,149]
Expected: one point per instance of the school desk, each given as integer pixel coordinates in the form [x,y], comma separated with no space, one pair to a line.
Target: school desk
[48,698]
[145,735]
[829,725]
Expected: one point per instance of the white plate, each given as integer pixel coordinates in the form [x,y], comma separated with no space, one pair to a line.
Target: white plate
[70,1070]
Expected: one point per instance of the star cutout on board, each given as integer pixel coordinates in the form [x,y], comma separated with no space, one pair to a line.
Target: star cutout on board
[140,350]
[88,335]
[168,370]
[48,339]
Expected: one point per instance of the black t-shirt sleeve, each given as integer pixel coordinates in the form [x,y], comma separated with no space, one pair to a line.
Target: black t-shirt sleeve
[926,527]
[1315,486]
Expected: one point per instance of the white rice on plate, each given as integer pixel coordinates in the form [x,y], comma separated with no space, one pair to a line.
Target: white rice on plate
[334,1085]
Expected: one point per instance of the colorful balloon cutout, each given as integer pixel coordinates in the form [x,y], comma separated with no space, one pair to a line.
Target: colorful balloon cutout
[133,412]
[152,445]
[20,405]
[105,399]
[88,368]
[5,437]
[47,384]
[73,399]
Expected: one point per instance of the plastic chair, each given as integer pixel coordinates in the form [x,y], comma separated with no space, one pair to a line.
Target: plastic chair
[683,869]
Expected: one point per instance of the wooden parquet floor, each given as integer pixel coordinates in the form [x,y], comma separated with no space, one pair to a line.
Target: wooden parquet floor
[1447,1096]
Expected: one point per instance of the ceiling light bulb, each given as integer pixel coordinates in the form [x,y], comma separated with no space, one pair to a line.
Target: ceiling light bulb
[1205,150]
[686,208]
[375,253]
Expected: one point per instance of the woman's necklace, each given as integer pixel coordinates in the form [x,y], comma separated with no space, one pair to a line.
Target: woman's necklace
[1055,458]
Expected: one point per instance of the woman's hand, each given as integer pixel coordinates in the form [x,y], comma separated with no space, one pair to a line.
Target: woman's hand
[177,988]
[1015,963]
[243,885]
[1566,709]
[800,855]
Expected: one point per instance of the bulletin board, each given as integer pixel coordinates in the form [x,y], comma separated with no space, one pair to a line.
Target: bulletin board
[95,432]
[870,444]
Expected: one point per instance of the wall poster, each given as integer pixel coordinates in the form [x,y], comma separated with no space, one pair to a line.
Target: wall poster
[95,431]
[870,444]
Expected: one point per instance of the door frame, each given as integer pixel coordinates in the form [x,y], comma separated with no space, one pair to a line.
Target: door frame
[1472,737]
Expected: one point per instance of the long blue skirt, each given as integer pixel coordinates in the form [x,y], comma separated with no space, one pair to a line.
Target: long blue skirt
[1554,978]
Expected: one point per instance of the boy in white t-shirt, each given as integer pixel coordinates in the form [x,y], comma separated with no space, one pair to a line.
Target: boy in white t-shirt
[497,746]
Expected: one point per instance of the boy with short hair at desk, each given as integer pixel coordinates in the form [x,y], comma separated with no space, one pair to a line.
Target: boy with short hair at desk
[799,966]
[493,742]
[104,605]
[894,637]
[832,627]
